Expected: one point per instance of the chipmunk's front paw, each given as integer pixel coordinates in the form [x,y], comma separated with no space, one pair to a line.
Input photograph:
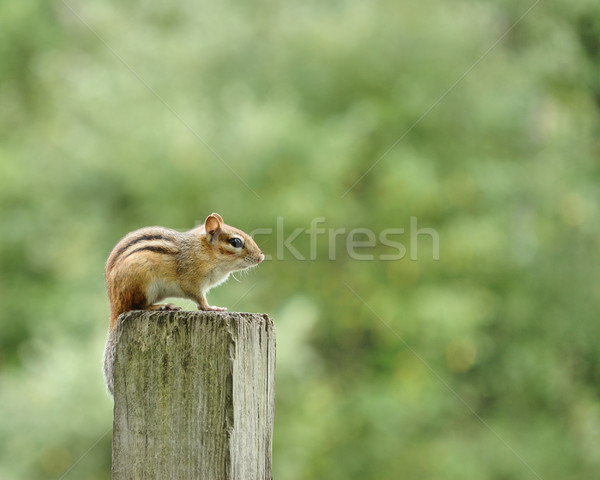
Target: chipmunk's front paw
[210,308]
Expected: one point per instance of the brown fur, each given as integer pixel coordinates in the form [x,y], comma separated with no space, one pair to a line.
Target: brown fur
[153,263]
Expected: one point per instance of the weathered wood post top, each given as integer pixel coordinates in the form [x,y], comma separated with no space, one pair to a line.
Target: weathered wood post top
[194,396]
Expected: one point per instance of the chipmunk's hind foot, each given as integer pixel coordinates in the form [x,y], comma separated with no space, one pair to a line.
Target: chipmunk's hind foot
[164,307]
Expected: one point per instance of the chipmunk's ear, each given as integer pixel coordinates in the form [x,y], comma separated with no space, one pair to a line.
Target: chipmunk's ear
[212,223]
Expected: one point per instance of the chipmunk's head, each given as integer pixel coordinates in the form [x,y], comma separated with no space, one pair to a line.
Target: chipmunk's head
[233,248]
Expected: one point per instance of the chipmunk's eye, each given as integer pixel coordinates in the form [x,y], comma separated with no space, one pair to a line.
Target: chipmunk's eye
[236,242]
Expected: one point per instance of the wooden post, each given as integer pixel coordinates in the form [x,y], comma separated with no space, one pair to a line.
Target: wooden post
[194,395]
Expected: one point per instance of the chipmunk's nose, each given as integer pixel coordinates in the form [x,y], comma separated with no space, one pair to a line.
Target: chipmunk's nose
[261,257]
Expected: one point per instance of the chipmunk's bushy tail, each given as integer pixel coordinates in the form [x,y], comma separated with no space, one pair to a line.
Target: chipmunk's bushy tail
[109,359]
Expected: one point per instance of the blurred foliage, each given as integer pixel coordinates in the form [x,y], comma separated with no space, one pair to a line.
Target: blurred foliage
[104,111]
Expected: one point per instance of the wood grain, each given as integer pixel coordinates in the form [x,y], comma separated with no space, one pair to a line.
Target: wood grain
[194,396]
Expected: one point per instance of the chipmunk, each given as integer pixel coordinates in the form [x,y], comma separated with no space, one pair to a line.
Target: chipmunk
[153,263]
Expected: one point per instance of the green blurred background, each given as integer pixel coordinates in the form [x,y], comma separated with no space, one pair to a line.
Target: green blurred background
[299,99]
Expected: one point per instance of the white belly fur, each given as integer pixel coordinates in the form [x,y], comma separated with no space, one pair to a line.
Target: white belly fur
[159,290]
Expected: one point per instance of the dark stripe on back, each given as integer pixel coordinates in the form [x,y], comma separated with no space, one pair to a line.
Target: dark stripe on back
[150,248]
[143,238]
